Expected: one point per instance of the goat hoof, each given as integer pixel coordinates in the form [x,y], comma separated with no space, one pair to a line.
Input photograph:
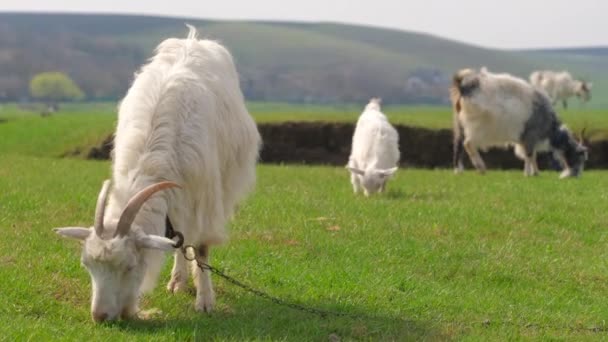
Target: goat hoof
[205,305]
[176,285]
[566,174]
[205,301]
[149,314]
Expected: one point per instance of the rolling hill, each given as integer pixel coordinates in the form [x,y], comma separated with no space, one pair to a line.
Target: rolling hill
[293,62]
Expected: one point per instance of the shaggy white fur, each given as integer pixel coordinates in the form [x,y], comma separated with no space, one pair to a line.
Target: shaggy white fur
[184,120]
[498,109]
[560,86]
[375,151]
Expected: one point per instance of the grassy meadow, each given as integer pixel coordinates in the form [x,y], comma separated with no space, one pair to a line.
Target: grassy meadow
[439,257]
[78,127]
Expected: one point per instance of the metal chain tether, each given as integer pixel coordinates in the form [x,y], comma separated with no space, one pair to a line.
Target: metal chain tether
[203,266]
[324,313]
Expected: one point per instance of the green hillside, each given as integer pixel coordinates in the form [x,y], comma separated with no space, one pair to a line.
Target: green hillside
[319,62]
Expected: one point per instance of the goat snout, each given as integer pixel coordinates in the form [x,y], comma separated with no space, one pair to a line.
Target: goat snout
[99,316]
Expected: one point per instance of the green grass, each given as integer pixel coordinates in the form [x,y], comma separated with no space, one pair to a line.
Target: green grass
[435,117]
[422,116]
[435,258]
[440,256]
[77,127]
[74,129]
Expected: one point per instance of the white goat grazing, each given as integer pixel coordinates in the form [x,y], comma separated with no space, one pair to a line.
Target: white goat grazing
[183,121]
[375,151]
[560,86]
[498,109]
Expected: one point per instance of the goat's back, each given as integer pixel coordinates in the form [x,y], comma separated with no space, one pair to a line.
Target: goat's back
[184,119]
[375,141]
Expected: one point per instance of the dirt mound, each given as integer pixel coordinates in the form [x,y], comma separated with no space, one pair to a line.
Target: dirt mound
[102,151]
[329,143]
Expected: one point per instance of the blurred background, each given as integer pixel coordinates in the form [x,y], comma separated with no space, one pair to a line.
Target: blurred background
[306,68]
[316,51]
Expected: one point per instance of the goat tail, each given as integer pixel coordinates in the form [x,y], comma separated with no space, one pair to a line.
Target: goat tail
[457,130]
[455,98]
[536,78]
[583,137]
[520,152]
[192,32]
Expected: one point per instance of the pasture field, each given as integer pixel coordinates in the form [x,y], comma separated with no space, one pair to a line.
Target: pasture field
[84,125]
[439,257]
[434,117]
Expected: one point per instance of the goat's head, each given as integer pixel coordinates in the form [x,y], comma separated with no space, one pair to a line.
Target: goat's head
[583,90]
[112,255]
[373,179]
[375,103]
[466,81]
[570,152]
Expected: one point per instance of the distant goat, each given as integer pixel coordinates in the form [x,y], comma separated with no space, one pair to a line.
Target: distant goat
[375,151]
[560,86]
[183,121]
[498,109]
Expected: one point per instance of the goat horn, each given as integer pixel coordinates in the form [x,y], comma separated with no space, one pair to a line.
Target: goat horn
[582,140]
[136,202]
[101,207]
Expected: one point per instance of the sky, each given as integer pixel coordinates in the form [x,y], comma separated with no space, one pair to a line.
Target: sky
[491,23]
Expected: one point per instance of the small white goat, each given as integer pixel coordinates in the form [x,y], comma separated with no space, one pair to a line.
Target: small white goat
[560,86]
[375,151]
[498,109]
[183,121]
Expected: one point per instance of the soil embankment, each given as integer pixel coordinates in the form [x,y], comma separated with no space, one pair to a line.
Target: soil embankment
[329,143]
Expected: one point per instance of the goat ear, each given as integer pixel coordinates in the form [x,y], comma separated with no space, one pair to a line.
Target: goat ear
[78,233]
[155,242]
[355,170]
[388,172]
